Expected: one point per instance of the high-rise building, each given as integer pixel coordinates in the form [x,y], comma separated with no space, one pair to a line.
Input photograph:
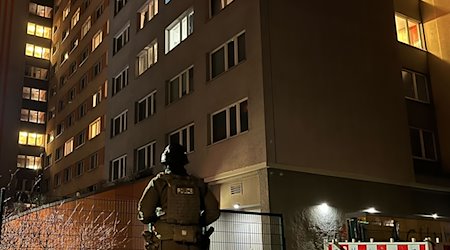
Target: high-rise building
[26,30]
[74,160]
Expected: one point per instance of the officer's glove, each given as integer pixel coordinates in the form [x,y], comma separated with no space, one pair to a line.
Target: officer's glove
[151,241]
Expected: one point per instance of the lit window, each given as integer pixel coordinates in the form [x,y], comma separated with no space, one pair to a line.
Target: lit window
[39,95]
[184,136]
[32,116]
[145,156]
[416,87]
[75,18]
[228,55]
[121,38]
[64,57]
[118,5]
[97,39]
[147,57]
[31,29]
[37,51]
[94,128]
[118,168]
[181,85]
[29,161]
[50,136]
[229,122]
[409,31]
[119,123]
[179,29]
[29,49]
[32,139]
[39,30]
[147,12]
[40,10]
[86,27]
[218,5]
[423,144]
[96,98]
[120,81]
[68,146]
[66,11]
[146,106]
[36,72]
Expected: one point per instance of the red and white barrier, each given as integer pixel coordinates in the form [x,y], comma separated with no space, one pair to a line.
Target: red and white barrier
[380,246]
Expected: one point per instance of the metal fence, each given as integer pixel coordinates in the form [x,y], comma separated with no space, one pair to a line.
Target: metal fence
[248,230]
[91,223]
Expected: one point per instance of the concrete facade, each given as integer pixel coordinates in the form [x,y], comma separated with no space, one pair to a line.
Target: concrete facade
[78,98]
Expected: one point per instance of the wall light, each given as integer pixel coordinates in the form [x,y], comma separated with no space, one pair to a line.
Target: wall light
[324,208]
[236,206]
[371,210]
[434,216]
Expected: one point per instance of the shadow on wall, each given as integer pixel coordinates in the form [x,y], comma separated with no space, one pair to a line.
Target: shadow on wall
[312,225]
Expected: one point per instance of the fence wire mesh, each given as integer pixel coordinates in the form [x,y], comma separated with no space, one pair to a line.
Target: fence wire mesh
[112,224]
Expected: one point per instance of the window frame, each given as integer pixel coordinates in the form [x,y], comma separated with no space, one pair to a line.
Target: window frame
[408,19]
[149,55]
[95,128]
[118,7]
[86,27]
[149,99]
[75,18]
[224,46]
[189,147]
[123,76]
[124,34]
[144,18]
[415,87]
[237,119]
[189,15]
[122,168]
[97,39]
[122,118]
[149,154]
[189,85]
[422,145]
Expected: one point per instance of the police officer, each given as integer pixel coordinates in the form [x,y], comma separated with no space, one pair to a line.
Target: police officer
[178,206]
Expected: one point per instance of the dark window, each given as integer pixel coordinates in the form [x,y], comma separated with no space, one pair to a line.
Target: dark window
[220,126]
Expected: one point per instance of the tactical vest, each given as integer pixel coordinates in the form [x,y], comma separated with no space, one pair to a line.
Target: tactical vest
[184,200]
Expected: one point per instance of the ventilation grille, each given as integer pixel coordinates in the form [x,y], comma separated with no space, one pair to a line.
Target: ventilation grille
[236,189]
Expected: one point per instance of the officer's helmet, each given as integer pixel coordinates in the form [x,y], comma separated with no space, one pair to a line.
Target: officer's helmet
[174,154]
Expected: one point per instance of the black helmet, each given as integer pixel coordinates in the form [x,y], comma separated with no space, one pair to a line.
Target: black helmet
[174,154]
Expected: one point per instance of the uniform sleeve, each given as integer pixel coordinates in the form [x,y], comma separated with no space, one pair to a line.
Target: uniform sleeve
[148,203]
[212,211]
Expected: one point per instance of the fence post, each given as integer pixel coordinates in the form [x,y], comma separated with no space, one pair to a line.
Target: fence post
[2,199]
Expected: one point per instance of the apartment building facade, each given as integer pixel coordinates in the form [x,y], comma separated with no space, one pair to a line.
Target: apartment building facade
[25,54]
[281,106]
[345,105]
[77,99]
